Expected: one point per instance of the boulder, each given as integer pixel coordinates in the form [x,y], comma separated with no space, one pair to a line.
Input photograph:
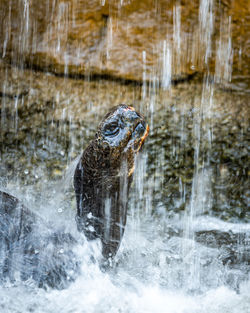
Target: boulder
[129,40]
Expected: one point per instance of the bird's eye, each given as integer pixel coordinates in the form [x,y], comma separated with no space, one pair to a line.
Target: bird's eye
[111,129]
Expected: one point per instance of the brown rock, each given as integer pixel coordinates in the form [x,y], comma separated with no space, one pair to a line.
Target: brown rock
[134,40]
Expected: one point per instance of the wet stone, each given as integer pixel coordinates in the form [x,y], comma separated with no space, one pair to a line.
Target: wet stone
[53,126]
[128,40]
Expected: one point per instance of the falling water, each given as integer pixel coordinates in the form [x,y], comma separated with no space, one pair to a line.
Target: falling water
[166,66]
[206,19]
[186,242]
[224,52]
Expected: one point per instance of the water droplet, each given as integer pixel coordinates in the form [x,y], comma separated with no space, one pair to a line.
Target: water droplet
[26,171]
[89,215]
[91,229]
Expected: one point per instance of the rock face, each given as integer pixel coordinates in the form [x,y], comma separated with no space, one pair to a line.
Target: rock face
[42,129]
[30,249]
[133,40]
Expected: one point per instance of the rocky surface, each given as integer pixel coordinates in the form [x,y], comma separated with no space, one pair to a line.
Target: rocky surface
[131,40]
[198,136]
